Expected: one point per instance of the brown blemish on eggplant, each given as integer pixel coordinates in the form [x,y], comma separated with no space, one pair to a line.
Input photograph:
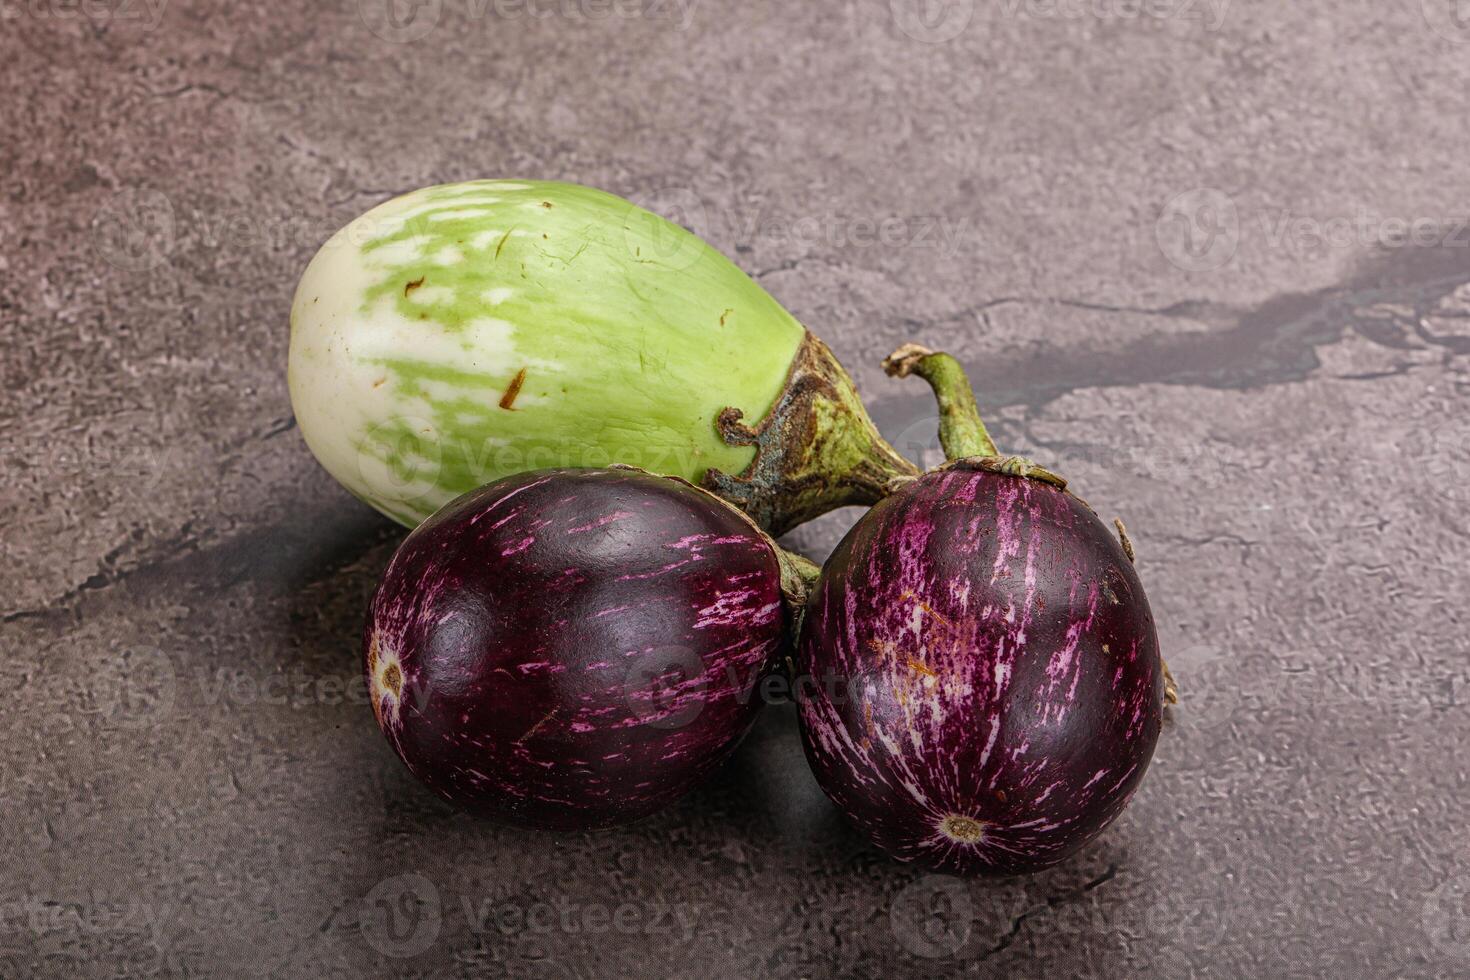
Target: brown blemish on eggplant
[922,668]
[380,382]
[883,649]
[536,727]
[725,316]
[393,679]
[913,597]
[508,399]
[503,239]
[546,204]
[385,677]
[962,830]
[411,286]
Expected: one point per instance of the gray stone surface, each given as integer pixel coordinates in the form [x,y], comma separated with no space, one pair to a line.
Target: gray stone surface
[1168,246]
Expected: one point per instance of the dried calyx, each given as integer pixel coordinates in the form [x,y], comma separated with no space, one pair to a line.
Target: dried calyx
[816,449]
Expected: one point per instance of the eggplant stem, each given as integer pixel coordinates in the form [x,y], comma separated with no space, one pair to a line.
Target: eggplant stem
[816,449]
[961,431]
[798,576]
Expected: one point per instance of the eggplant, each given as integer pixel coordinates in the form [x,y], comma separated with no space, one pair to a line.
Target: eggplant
[986,687]
[466,332]
[570,649]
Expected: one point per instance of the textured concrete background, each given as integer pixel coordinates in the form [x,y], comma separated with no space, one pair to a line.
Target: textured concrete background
[1208,258]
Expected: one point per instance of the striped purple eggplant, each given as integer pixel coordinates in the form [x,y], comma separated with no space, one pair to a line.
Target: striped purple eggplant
[987,686]
[572,649]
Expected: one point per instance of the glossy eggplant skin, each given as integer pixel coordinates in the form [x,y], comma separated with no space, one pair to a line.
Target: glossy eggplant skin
[986,684]
[573,649]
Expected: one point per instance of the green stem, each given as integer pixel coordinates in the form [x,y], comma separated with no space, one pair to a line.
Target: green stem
[799,574]
[799,577]
[961,432]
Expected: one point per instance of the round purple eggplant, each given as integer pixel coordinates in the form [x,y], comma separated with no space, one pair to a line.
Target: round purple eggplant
[576,648]
[986,685]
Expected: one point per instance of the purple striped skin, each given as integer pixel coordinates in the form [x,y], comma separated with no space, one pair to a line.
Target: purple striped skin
[1006,686]
[573,649]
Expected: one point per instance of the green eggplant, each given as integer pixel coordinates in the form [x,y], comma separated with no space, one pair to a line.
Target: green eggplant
[465,332]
